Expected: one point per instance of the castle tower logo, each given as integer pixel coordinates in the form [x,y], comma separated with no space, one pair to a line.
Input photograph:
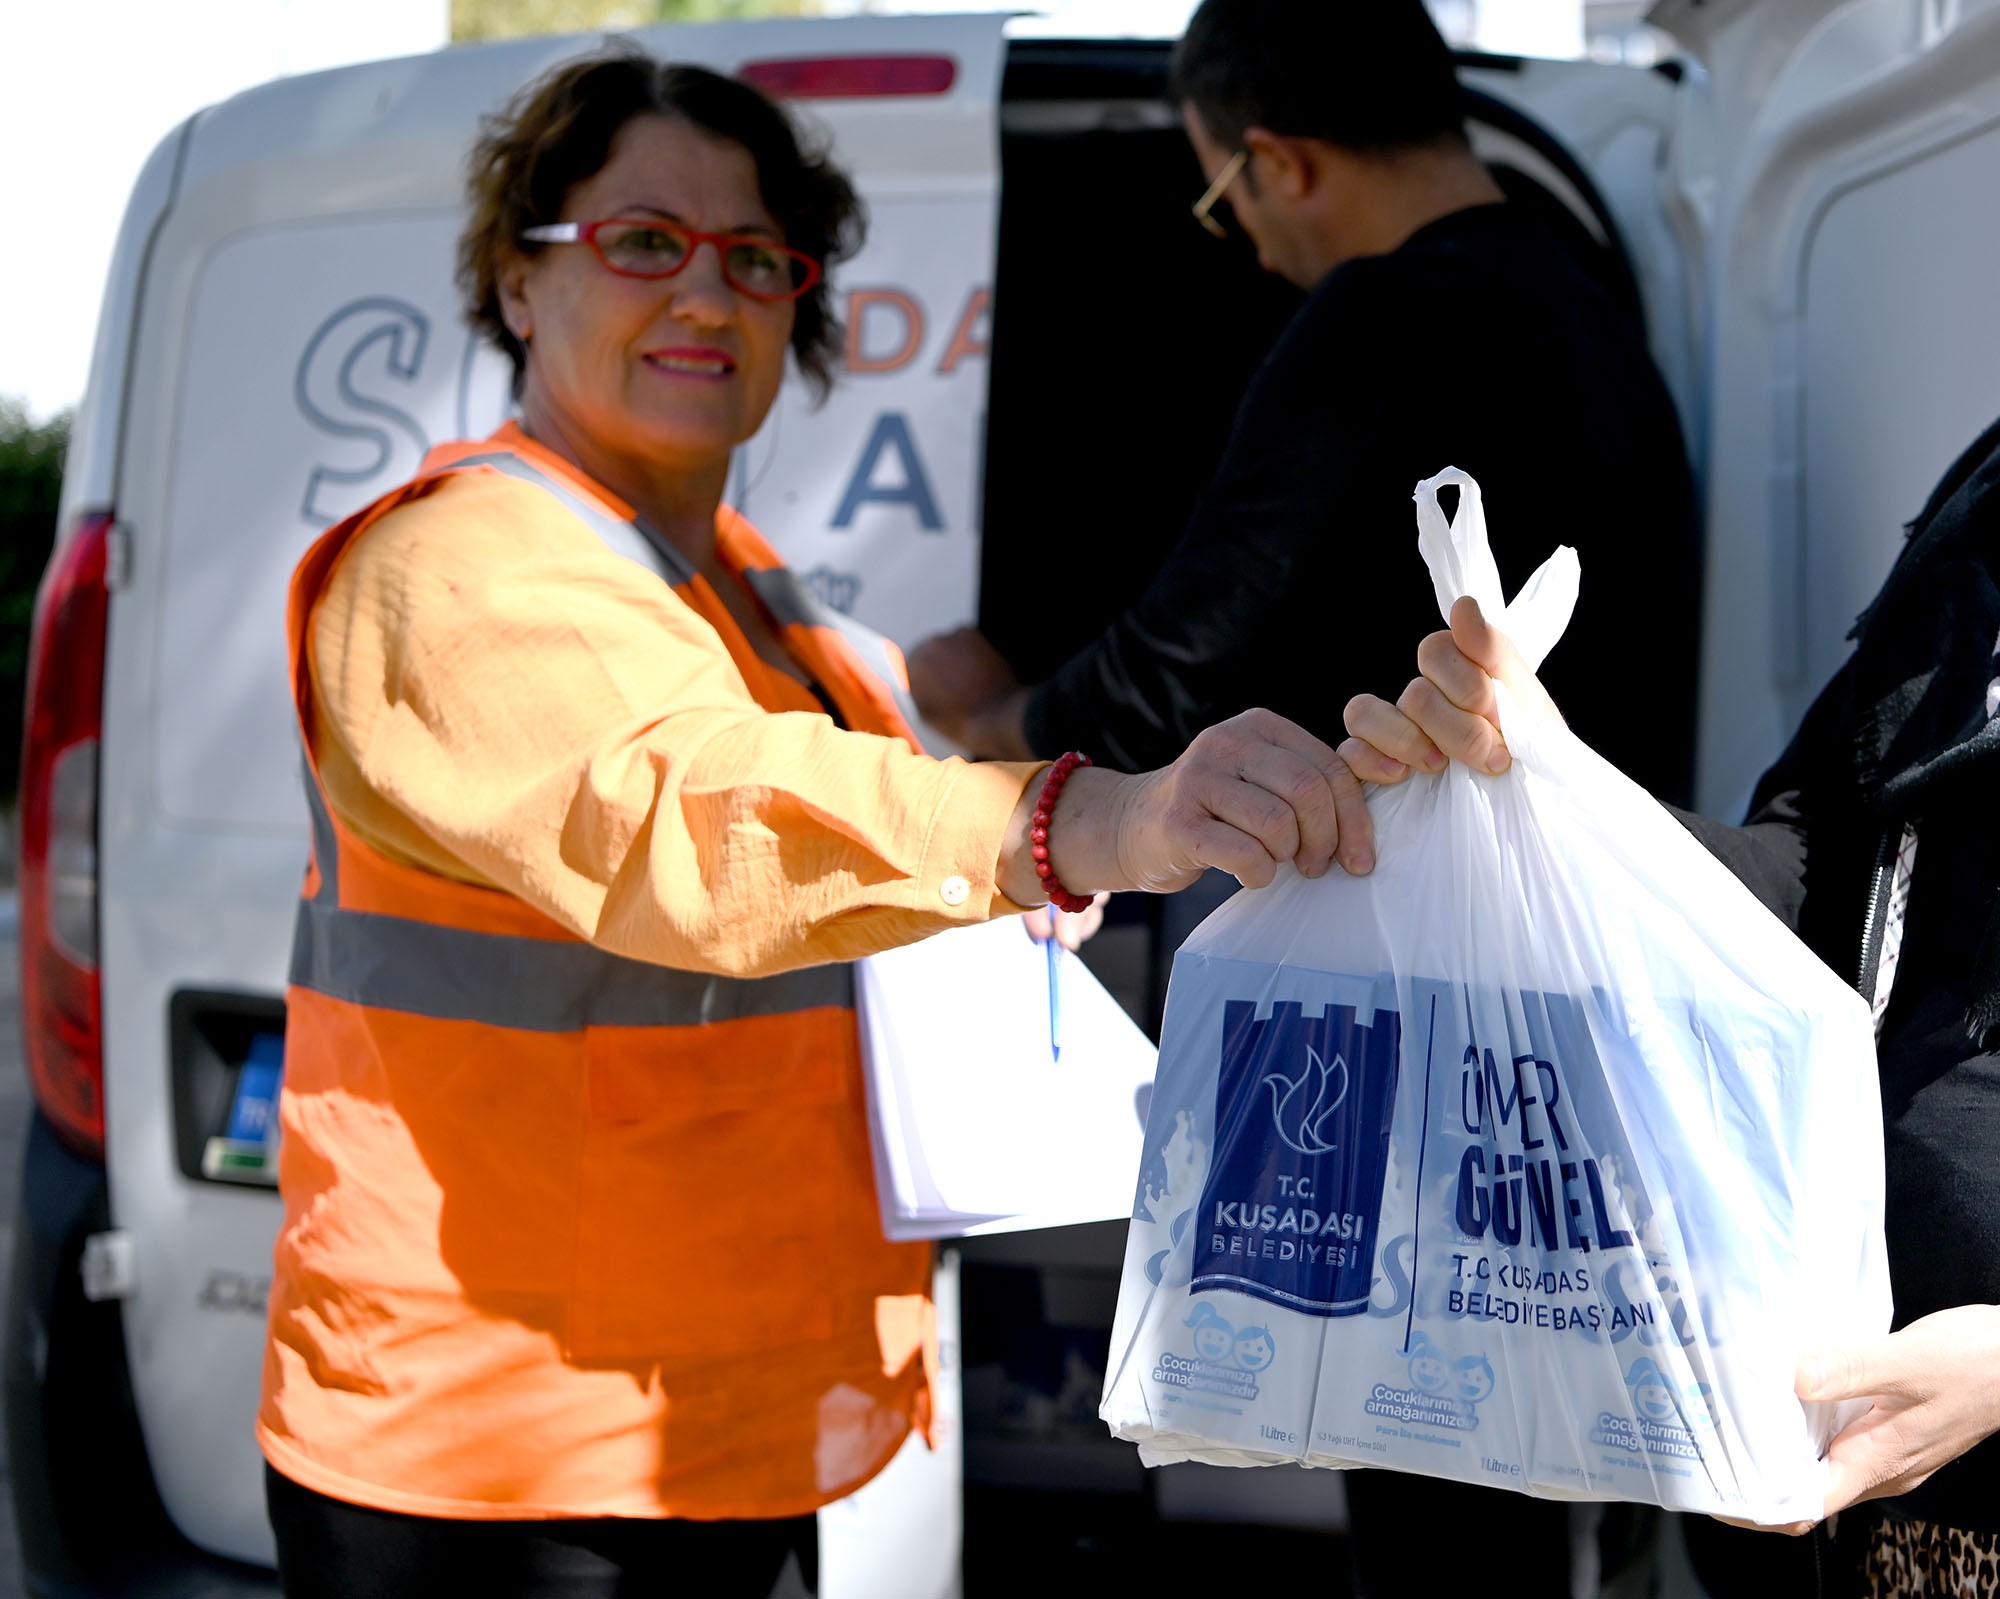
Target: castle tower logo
[1302,1111]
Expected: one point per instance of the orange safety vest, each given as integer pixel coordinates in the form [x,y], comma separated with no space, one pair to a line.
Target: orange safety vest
[565,1233]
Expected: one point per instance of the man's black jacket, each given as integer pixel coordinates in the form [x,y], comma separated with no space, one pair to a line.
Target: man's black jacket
[1480,343]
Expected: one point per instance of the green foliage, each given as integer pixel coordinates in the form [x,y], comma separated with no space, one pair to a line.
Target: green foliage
[508,19]
[31,459]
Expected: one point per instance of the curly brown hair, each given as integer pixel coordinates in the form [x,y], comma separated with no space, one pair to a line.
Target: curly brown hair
[558,131]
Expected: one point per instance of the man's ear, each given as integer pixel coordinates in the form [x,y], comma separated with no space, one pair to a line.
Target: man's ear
[1279,163]
[510,284]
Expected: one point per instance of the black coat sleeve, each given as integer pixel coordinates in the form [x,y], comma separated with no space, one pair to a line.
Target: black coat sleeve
[1796,850]
[1246,610]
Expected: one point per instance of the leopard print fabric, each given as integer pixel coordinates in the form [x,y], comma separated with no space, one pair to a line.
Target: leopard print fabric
[1923,1560]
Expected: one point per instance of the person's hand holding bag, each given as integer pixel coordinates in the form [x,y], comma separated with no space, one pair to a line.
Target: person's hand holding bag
[1494,1161]
[1250,794]
[1934,1392]
[1933,1387]
[1450,710]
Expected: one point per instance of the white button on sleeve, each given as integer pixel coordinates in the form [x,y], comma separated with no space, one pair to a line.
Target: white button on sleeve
[954,891]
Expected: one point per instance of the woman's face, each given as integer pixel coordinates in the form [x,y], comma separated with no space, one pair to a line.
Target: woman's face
[667,371]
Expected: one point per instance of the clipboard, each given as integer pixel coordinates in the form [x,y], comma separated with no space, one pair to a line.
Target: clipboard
[976,1124]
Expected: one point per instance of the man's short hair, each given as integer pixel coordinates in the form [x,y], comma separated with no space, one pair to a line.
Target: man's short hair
[1368,75]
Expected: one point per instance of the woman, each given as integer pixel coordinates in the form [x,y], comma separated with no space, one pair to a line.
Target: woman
[580,1287]
[1873,836]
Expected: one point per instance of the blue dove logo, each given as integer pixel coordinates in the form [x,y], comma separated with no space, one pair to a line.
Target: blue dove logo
[1301,1107]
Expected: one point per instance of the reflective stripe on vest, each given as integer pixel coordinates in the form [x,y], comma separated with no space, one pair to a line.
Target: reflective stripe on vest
[535,984]
[636,540]
[791,604]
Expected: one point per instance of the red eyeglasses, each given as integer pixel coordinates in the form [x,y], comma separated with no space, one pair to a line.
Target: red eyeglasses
[656,248]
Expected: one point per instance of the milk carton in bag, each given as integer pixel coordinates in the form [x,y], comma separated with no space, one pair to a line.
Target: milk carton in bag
[1536,1158]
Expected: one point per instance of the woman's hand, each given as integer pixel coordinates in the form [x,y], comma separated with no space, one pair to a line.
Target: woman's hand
[1246,796]
[1450,711]
[1936,1392]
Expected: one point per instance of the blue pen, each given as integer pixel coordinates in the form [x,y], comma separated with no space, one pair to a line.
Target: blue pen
[1054,951]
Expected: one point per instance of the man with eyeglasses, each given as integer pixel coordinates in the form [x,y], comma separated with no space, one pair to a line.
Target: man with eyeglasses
[1443,325]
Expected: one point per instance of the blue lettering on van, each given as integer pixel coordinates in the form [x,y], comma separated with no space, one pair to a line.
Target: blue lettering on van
[333,401]
[1302,1114]
[834,589]
[891,433]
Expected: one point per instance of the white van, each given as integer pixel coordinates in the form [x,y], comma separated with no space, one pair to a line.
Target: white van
[1804,210]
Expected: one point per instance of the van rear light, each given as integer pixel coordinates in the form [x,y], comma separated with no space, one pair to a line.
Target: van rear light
[61,1004]
[850,77]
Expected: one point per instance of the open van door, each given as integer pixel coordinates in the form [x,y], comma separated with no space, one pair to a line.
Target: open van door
[1807,205]
[298,346]
[1848,168]
[1588,145]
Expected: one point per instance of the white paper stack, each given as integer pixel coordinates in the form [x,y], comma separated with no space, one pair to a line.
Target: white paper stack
[978,1124]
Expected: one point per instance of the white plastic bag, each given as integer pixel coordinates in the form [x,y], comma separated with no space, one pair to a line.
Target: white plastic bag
[1536,1158]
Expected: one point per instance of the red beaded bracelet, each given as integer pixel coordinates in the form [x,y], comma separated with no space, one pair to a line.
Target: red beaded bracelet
[1038,834]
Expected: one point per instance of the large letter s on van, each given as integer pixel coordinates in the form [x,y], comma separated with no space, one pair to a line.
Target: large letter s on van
[327,394]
